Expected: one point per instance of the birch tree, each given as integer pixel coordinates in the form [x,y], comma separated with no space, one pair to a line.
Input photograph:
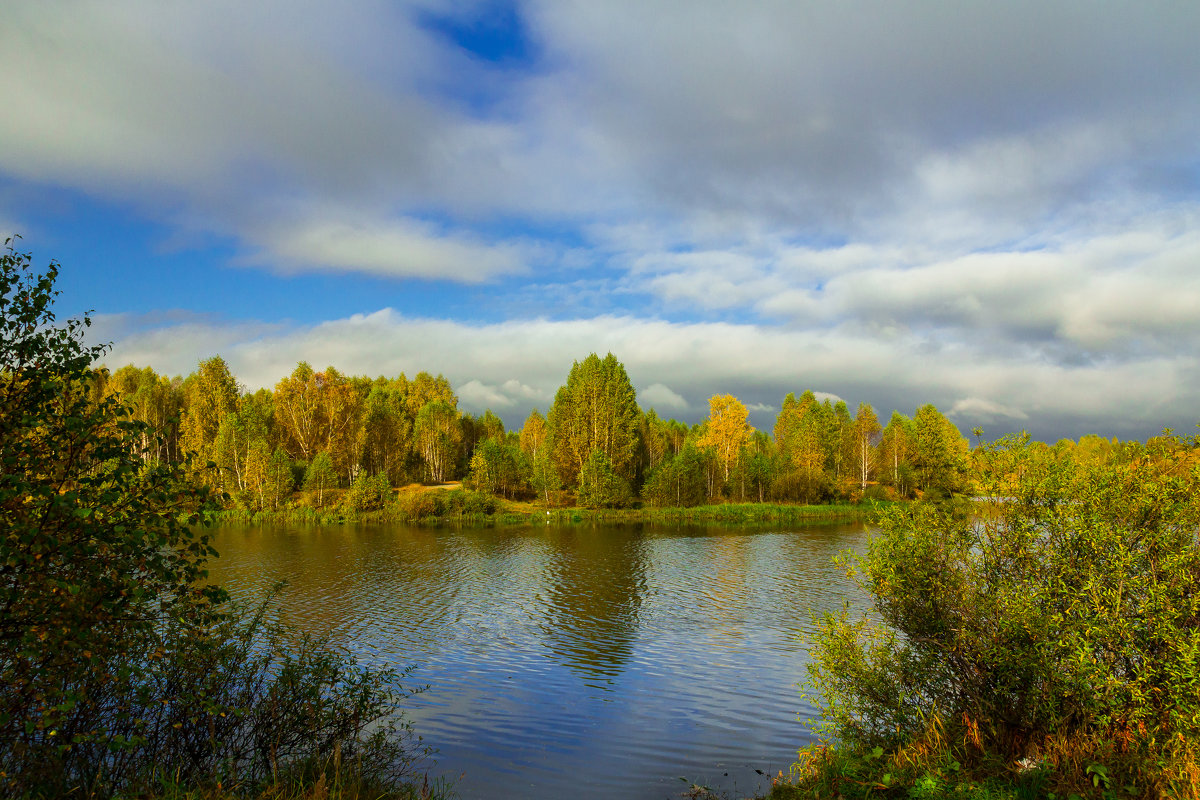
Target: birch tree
[865,432]
[727,430]
[595,410]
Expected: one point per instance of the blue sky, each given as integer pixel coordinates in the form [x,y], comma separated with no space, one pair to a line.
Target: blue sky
[990,207]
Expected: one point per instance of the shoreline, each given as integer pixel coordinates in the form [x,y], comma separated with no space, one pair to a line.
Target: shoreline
[502,513]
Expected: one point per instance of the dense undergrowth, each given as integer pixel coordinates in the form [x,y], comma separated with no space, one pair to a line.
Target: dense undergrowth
[1046,645]
[123,671]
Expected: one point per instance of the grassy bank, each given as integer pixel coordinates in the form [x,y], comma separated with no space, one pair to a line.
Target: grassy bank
[333,782]
[1103,765]
[430,506]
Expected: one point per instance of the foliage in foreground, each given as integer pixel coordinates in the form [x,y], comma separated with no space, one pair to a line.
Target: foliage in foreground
[1046,645]
[121,671]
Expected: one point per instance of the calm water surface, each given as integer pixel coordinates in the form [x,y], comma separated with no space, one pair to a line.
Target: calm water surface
[582,661]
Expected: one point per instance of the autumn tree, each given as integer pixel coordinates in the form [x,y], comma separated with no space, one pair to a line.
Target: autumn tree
[533,434]
[600,486]
[840,441]
[939,451]
[661,439]
[240,433]
[895,451]
[755,467]
[595,410]
[298,409]
[864,434]
[279,481]
[150,399]
[804,442]
[425,389]
[210,393]
[678,481]
[320,477]
[489,426]
[385,433]
[800,434]
[340,407]
[1095,449]
[437,435]
[258,461]
[726,431]
[320,411]
[498,467]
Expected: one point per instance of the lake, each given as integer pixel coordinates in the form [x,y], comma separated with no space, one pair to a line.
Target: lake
[577,661]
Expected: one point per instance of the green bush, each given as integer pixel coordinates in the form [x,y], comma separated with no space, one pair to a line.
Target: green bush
[875,493]
[320,477]
[477,503]
[240,703]
[120,665]
[1058,623]
[368,493]
[421,505]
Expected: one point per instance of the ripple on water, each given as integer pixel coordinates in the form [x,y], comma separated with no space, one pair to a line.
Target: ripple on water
[615,659]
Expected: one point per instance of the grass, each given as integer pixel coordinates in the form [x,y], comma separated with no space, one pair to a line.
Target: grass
[431,506]
[328,784]
[1104,765]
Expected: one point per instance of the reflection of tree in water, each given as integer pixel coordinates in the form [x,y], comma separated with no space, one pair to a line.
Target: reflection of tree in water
[315,563]
[595,583]
[340,580]
[728,592]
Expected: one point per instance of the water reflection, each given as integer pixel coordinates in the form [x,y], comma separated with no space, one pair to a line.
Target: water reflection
[595,580]
[615,659]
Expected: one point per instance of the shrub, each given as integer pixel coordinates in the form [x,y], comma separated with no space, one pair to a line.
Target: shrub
[875,493]
[1061,617]
[420,505]
[95,551]
[368,492]
[242,704]
[477,503]
[499,468]
[120,666]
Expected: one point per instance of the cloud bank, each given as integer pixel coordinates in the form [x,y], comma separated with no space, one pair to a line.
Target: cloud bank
[513,367]
[990,207]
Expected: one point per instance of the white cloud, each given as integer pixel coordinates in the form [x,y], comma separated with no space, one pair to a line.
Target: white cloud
[1106,294]
[475,394]
[661,397]
[174,343]
[795,118]
[985,410]
[517,365]
[392,248]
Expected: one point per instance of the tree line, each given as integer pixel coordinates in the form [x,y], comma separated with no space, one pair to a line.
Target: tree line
[323,431]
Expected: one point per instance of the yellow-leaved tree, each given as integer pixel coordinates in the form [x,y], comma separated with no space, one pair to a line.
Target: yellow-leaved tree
[726,431]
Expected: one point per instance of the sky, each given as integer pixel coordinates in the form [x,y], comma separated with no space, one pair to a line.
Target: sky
[991,207]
